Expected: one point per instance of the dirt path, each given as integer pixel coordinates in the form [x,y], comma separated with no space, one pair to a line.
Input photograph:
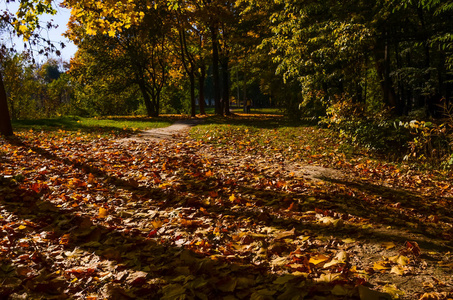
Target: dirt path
[174,131]
[180,129]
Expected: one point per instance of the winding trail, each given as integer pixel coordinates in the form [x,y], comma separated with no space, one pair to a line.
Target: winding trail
[180,129]
[174,131]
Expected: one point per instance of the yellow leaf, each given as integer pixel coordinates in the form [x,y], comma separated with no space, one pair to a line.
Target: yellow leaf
[400,259]
[388,245]
[156,224]
[23,28]
[329,277]
[21,227]
[393,291]
[348,241]
[102,212]
[317,259]
[232,198]
[381,265]
[398,270]
[403,260]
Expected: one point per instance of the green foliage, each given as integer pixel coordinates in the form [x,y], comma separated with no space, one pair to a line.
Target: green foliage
[35,92]
[432,143]
[371,129]
[425,143]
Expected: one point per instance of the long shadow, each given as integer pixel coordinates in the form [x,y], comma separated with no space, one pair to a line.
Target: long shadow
[270,204]
[378,212]
[341,202]
[164,270]
[256,121]
[167,267]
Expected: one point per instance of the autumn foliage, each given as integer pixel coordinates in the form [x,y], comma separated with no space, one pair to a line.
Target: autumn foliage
[256,212]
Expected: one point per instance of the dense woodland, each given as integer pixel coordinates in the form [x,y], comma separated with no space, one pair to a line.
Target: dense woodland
[366,68]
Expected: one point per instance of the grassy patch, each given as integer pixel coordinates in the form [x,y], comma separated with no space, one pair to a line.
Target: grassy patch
[240,110]
[273,135]
[116,125]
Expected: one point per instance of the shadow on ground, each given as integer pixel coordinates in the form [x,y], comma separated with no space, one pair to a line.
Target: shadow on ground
[144,266]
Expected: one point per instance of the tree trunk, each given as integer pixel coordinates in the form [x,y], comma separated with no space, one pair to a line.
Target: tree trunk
[215,71]
[226,86]
[383,71]
[201,80]
[146,99]
[5,121]
[244,97]
[156,104]
[193,110]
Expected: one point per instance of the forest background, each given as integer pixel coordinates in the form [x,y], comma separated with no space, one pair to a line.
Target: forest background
[379,72]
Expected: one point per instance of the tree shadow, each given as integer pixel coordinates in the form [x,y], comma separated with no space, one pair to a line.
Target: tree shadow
[144,265]
[263,121]
[150,267]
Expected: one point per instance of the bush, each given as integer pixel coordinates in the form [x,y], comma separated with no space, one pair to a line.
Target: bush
[420,142]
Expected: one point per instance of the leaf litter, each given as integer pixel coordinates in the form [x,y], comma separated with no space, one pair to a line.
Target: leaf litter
[86,217]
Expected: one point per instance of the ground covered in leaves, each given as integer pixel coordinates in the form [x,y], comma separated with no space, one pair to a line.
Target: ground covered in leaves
[228,212]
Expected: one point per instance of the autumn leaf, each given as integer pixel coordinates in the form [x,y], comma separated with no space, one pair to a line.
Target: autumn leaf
[317,259]
[102,212]
[388,245]
[381,265]
[398,270]
[393,290]
[413,248]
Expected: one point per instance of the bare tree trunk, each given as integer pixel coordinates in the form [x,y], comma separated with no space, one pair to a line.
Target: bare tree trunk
[146,99]
[215,71]
[193,111]
[5,120]
[201,80]
[226,86]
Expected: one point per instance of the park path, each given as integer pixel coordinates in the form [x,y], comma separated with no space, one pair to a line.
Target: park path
[180,130]
[177,130]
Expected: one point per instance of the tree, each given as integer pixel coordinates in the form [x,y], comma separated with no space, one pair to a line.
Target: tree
[23,23]
[136,36]
[20,85]
[330,48]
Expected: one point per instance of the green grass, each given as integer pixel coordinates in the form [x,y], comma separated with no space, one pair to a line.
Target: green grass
[76,123]
[274,135]
[240,110]
[116,125]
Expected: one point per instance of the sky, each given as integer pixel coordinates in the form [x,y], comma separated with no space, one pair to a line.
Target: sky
[55,35]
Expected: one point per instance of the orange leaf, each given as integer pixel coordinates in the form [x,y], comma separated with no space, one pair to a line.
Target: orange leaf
[102,212]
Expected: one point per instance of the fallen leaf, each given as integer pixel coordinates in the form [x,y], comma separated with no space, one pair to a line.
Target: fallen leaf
[102,212]
[381,265]
[393,291]
[388,245]
[317,259]
[398,270]
[285,234]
